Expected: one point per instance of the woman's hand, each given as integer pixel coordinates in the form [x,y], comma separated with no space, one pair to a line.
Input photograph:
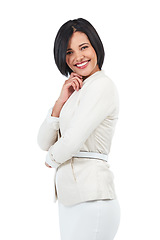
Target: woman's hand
[47,165]
[73,83]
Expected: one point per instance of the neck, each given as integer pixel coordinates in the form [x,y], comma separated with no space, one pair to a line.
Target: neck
[84,77]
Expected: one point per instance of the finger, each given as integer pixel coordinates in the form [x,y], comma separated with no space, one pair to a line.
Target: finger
[73,74]
[76,85]
[75,82]
[73,85]
[79,81]
[47,165]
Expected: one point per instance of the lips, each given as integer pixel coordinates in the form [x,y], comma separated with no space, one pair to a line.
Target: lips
[82,65]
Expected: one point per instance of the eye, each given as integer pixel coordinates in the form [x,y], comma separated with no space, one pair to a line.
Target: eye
[84,47]
[69,52]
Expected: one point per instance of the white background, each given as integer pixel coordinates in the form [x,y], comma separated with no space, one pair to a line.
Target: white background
[30,85]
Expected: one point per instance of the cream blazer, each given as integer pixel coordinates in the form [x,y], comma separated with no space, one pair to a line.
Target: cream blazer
[86,123]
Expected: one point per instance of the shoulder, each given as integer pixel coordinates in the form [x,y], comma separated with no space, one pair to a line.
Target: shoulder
[99,85]
[102,83]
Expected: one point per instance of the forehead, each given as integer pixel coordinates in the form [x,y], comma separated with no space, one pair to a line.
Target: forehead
[78,38]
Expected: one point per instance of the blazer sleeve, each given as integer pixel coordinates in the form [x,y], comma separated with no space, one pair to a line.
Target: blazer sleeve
[95,105]
[48,131]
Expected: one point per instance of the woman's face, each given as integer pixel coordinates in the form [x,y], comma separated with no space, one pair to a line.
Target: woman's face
[81,56]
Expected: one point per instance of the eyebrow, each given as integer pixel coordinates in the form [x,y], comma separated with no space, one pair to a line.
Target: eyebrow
[79,46]
[83,44]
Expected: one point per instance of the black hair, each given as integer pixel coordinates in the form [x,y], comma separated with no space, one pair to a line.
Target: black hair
[62,38]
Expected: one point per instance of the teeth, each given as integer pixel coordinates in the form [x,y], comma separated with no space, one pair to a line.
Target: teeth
[82,64]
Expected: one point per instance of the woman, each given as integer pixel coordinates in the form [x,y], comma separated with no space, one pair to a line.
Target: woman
[77,133]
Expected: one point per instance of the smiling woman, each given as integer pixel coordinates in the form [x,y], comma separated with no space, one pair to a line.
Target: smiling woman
[78,42]
[81,56]
[77,134]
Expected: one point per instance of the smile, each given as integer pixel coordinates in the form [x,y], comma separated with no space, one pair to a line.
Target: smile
[82,64]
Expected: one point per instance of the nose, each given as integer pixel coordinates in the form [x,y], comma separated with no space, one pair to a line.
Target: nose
[79,57]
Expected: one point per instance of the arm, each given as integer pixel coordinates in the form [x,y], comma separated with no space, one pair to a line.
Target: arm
[96,104]
[48,132]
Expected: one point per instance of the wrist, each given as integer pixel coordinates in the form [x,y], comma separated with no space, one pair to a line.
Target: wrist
[60,101]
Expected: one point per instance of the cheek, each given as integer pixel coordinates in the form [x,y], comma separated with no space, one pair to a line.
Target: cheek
[68,61]
[94,58]
[93,55]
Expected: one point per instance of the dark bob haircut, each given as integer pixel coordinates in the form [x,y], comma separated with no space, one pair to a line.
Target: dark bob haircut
[62,38]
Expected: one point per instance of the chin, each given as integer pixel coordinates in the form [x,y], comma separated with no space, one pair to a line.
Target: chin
[84,73]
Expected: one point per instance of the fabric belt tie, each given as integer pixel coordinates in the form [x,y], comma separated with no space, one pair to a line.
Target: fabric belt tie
[91,155]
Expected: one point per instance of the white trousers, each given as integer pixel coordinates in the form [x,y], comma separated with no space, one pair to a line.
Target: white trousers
[91,220]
